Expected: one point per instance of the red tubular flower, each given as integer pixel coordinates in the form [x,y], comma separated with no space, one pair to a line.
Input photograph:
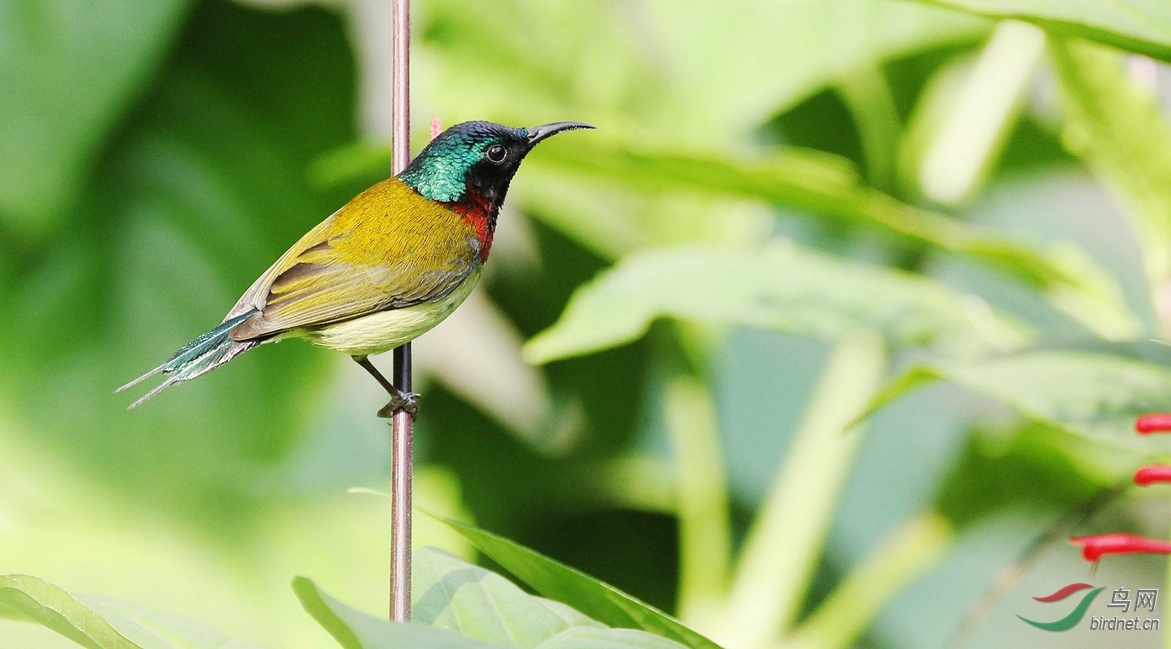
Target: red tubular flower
[1149,475]
[1098,545]
[1155,422]
[1094,547]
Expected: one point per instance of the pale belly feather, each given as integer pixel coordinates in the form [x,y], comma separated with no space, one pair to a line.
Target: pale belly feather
[380,332]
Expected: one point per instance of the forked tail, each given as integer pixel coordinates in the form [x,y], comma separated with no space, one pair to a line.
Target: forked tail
[198,357]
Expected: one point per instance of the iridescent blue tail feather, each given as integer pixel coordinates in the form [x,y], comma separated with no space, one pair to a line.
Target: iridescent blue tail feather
[198,357]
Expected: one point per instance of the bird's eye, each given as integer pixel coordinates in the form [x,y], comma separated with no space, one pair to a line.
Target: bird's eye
[497,153]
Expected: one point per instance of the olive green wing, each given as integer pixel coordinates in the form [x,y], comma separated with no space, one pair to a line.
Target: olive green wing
[358,262]
[256,296]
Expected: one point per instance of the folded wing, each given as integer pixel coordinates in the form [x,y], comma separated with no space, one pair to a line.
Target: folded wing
[388,248]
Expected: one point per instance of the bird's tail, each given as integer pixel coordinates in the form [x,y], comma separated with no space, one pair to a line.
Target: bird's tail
[198,357]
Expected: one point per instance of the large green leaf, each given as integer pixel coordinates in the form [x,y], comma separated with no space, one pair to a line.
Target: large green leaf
[822,185]
[1094,395]
[354,629]
[1137,25]
[151,630]
[71,67]
[452,594]
[596,599]
[782,288]
[460,605]
[104,623]
[1032,465]
[199,194]
[29,598]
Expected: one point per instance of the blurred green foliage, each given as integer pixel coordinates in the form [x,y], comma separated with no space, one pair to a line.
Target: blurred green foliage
[760,189]
[1032,465]
[201,185]
[65,88]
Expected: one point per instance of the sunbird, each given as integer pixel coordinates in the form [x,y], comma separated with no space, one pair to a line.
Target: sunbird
[385,268]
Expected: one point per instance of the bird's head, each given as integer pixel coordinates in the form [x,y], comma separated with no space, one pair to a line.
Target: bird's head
[477,157]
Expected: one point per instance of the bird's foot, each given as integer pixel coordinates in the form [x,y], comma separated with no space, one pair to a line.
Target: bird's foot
[404,401]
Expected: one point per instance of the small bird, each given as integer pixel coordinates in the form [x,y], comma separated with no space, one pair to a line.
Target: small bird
[385,268]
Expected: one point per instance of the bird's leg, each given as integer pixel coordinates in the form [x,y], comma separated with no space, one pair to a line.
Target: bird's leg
[399,400]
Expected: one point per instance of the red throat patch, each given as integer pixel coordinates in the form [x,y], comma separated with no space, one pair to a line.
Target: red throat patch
[477,212]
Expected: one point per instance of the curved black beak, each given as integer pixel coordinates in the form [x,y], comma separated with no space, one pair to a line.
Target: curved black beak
[538,133]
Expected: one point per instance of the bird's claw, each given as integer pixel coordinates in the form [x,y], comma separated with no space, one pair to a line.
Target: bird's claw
[404,401]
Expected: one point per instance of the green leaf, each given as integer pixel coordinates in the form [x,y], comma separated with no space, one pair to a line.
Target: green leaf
[591,638]
[1097,396]
[453,594]
[41,602]
[1118,129]
[354,629]
[73,67]
[152,630]
[1030,465]
[913,378]
[824,185]
[1142,26]
[333,616]
[596,599]
[463,606]
[104,623]
[782,288]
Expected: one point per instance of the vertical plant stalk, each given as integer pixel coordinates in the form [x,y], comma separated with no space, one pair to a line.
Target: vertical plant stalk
[971,133]
[907,554]
[401,442]
[787,538]
[705,543]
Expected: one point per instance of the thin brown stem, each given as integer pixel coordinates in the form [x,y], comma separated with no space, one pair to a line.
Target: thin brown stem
[401,451]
